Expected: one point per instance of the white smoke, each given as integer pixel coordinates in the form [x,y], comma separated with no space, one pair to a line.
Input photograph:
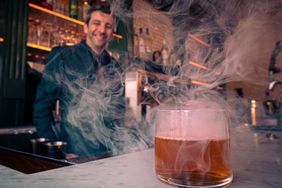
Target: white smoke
[241,36]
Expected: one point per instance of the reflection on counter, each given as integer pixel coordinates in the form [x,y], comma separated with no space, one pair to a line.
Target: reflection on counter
[17,138]
[28,163]
[22,150]
[266,115]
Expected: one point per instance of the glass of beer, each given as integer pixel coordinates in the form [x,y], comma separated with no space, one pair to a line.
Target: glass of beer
[192,146]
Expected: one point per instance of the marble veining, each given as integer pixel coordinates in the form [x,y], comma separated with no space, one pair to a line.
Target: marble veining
[256,159]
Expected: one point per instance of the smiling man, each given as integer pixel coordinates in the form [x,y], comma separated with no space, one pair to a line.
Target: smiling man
[89,84]
[99,30]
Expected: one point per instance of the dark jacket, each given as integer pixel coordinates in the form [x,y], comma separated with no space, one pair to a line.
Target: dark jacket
[90,89]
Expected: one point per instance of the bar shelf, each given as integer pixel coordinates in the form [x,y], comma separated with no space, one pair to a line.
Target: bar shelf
[36,7]
[55,14]
[39,47]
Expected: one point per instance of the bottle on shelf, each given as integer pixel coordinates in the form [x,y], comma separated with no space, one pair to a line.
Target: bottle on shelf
[73,9]
[47,4]
[165,53]
[39,31]
[85,8]
[44,31]
[65,7]
[147,41]
[136,45]
[141,42]
[57,6]
[80,10]
[32,32]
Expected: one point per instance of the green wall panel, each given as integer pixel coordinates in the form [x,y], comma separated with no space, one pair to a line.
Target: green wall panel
[14,32]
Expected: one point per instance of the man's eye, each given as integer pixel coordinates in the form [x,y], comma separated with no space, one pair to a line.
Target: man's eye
[96,23]
[109,26]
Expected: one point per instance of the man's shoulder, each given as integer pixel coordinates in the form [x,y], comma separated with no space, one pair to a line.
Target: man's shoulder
[65,50]
[58,52]
[67,53]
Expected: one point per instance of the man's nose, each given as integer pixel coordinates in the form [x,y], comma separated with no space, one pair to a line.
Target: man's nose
[102,29]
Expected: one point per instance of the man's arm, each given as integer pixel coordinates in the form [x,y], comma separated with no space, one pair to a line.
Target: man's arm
[46,96]
[151,66]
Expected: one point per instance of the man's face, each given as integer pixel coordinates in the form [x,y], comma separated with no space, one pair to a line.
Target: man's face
[99,30]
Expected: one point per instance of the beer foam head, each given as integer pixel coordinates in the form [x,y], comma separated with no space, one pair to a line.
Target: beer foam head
[195,120]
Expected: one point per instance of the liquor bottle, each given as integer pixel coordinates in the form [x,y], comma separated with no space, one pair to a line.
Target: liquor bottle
[64,7]
[165,53]
[147,41]
[142,47]
[136,45]
[80,10]
[47,4]
[85,8]
[73,9]
[56,6]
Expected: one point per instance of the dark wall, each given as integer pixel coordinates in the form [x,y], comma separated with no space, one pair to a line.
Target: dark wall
[12,61]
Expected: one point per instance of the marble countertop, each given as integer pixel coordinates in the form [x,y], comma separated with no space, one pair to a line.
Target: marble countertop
[256,158]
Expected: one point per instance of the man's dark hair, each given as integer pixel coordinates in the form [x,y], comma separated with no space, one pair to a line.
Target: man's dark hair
[104,7]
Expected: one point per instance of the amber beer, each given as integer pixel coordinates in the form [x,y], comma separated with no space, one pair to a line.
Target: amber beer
[193,162]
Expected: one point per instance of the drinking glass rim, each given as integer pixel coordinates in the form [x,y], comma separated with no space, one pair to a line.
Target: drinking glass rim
[191,107]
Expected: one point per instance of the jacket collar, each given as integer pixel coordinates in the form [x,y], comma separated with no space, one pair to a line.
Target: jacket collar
[104,58]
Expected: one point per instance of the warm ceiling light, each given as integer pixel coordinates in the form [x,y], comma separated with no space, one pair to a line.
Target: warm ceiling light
[198,39]
[196,82]
[193,63]
[200,83]
[1,39]
[38,46]
[117,36]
